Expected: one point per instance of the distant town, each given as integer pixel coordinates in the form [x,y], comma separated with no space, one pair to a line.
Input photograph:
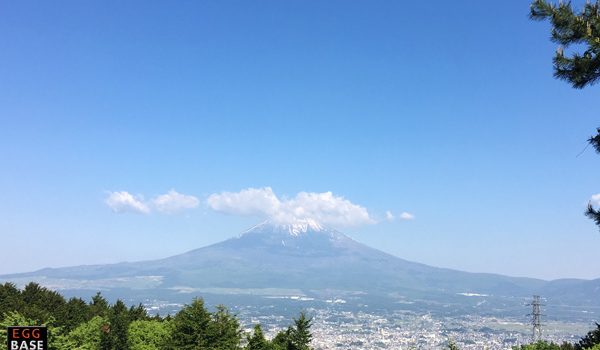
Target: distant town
[337,328]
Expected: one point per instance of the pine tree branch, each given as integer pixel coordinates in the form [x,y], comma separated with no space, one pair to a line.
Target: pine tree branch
[571,28]
[595,140]
[593,214]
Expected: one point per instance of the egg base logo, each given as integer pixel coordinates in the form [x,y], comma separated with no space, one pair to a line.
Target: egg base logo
[27,338]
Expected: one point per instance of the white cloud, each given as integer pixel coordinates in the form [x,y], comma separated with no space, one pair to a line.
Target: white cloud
[595,199]
[251,201]
[389,216]
[170,202]
[173,202]
[324,207]
[406,216]
[123,202]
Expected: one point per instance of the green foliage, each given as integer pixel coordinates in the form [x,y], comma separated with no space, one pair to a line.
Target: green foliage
[10,298]
[73,313]
[593,214]
[223,332]
[190,327]
[87,335]
[119,324]
[138,313]
[571,27]
[77,325]
[99,306]
[14,318]
[567,346]
[582,28]
[196,328]
[149,335]
[452,345]
[40,303]
[595,140]
[591,339]
[299,335]
[282,340]
[542,345]
[257,340]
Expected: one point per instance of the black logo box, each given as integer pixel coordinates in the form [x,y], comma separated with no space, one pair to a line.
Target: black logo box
[27,338]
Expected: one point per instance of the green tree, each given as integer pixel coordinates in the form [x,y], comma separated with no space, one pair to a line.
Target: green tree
[257,340]
[223,332]
[452,345]
[590,340]
[149,335]
[87,335]
[10,298]
[105,337]
[40,303]
[571,27]
[137,313]
[99,306]
[299,335]
[119,324]
[543,345]
[190,327]
[14,318]
[73,313]
[100,326]
[581,68]
[282,340]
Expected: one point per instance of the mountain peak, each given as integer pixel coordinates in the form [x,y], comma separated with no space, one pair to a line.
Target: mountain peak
[296,228]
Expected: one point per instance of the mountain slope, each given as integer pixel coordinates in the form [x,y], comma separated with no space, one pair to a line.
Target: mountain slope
[304,256]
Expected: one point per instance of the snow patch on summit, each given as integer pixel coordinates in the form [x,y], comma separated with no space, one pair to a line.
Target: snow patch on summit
[301,226]
[297,228]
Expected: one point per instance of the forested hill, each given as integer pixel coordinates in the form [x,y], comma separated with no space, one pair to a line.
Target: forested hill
[77,324]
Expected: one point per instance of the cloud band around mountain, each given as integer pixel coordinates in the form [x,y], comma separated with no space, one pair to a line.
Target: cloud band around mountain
[324,207]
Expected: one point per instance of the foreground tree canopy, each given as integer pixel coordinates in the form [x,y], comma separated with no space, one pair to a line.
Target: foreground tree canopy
[590,342]
[98,325]
[580,68]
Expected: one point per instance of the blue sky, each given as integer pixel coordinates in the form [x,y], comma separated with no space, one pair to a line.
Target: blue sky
[444,110]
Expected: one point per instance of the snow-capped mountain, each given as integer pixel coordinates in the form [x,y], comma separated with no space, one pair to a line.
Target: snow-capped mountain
[296,228]
[302,255]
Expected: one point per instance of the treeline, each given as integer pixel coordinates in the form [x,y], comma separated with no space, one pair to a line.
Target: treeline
[97,325]
[591,341]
